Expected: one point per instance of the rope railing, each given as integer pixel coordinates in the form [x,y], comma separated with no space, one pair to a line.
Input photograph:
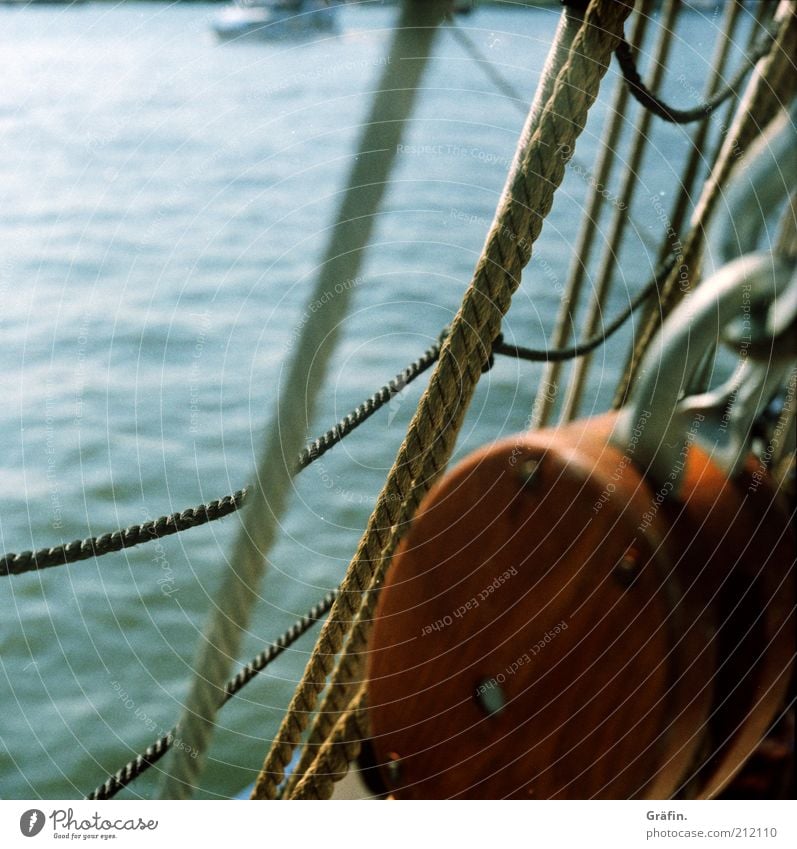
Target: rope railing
[202,514]
[416,465]
[672,114]
[772,84]
[158,749]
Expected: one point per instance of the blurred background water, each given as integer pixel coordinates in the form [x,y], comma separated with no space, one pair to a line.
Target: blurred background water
[163,205]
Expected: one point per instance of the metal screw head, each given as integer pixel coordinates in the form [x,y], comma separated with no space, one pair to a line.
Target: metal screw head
[528,471]
[490,696]
[627,568]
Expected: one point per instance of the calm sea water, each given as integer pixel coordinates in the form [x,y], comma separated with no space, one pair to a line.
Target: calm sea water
[163,205]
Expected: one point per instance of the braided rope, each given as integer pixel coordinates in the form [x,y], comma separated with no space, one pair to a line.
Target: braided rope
[154,752]
[353,420]
[133,769]
[526,201]
[772,84]
[337,752]
[73,552]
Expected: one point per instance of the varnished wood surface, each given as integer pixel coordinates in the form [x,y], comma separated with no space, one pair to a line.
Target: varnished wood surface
[620,703]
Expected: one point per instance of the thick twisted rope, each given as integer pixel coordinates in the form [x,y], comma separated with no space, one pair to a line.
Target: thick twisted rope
[602,284]
[772,84]
[349,667]
[298,394]
[526,201]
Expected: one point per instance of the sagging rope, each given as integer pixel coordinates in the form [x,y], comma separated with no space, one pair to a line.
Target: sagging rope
[580,349]
[194,517]
[672,114]
[773,83]
[527,198]
[697,145]
[154,752]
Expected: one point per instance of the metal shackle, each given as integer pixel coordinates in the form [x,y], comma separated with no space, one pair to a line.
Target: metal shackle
[661,419]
